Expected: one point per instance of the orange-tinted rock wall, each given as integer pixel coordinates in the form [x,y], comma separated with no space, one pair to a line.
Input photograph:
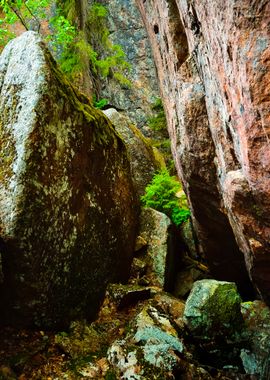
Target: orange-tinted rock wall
[213,61]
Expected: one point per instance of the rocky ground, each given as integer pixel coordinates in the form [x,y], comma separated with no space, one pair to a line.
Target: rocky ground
[143,332]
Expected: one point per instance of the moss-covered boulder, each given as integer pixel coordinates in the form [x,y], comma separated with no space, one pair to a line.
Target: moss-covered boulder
[67,206]
[213,308]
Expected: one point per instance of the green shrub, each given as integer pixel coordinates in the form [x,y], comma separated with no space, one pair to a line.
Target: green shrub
[75,50]
[165,194]
[110,59]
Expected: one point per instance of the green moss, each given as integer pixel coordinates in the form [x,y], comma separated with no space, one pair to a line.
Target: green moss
[213,308]
[103,131]
[158,122]
[90,46]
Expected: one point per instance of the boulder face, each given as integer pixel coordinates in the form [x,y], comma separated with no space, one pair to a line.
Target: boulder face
[160,256]
[145,160]
[213,308]
[213,66]
[67,206]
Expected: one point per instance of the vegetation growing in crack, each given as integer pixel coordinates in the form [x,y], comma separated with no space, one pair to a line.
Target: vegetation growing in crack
[165,194]
[74,49]
[158,122]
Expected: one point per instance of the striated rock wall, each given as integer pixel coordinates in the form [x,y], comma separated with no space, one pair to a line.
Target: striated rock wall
[68,209]
[128,31]
[213,62]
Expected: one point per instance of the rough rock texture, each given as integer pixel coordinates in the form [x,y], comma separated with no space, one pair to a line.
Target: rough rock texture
[151,349]
[145,160]
[157,230]
[213,307]
[213,65]
[127,30]
[67,205]
[255,358]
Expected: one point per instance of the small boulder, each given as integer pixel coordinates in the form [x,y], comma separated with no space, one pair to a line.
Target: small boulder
[157,230]
[213,308]
[145,160]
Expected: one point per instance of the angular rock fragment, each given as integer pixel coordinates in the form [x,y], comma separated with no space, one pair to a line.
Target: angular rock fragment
[151,349]
[157,230]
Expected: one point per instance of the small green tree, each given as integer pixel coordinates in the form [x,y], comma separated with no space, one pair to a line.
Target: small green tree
[165,194]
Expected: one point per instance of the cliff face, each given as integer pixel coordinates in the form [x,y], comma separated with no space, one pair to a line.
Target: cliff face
[127,30]
[213,62]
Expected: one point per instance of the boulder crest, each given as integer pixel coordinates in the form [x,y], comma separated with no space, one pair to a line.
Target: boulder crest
[68,209]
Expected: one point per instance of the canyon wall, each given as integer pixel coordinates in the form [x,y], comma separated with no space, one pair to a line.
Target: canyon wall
[213,61]
[127,30]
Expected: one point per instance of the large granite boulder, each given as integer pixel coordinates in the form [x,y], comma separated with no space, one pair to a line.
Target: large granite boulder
[255,356]
[213,65]
[67,206]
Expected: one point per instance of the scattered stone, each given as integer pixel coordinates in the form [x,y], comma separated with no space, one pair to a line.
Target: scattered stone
[140,243]
[213,308]
[124,360]
[173,308]
[138,271]
[185,279]
[151,348]
[81,340]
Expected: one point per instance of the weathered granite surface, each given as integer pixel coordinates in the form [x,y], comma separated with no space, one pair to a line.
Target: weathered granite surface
[68,209]
[145,160]
[127,30]
[213,66]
